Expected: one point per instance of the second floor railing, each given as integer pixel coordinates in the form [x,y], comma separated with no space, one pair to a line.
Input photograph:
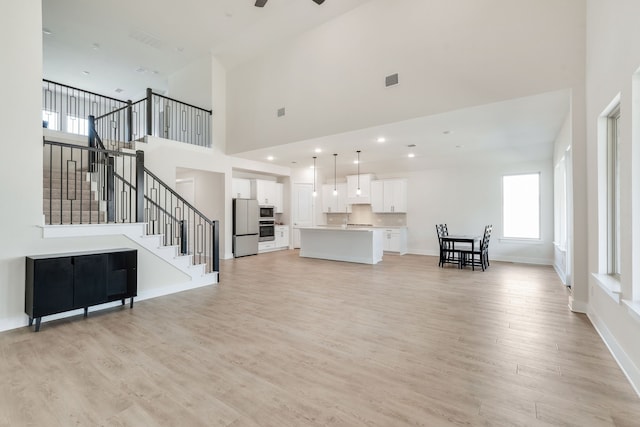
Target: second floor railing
[118,122]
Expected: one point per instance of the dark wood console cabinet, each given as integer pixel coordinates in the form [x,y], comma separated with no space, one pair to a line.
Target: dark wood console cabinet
[63,282]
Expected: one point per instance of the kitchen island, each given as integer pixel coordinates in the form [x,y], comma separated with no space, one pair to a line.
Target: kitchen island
[352,244]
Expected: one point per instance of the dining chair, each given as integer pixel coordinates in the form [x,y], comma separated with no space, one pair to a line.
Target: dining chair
[447,255]
[479,256]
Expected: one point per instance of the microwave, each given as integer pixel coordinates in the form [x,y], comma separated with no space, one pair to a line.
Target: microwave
[266,212]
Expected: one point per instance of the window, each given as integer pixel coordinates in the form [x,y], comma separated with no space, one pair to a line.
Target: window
[613,193]
[77,125]
[50,120]
[521,206]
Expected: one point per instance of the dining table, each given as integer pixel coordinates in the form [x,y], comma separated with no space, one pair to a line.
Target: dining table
[462,239]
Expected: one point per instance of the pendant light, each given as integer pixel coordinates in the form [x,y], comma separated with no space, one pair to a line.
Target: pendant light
[314,176]
[358,192]
[335,185]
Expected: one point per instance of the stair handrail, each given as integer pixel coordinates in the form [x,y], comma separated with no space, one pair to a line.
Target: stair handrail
[211,255]
[69,159]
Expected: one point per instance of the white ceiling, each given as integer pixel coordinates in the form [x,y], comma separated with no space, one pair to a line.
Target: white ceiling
[160,37]
[514,131]
[141,43]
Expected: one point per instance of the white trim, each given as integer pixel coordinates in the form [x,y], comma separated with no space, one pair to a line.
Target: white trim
[609,284]
[633,307]
[23,320]
[629,369]
[561,274]
[521,241]
[577,306]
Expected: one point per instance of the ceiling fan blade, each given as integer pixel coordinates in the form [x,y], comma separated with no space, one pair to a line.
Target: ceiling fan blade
[319,1]
[261,3]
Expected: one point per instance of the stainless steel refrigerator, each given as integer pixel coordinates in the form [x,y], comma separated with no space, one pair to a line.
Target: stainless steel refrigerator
[245,227]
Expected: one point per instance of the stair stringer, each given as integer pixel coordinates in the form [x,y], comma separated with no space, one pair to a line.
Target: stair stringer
[152,243]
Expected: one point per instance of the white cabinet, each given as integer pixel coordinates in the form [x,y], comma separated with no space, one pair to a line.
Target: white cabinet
[264,191]
[279,198]
[365,189]
[269,193]
[389,196]
[395,240]
[266,246]
[335,204]
[282,236]
[240,188]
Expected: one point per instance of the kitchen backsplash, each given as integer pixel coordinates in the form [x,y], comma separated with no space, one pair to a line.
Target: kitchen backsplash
[361,214]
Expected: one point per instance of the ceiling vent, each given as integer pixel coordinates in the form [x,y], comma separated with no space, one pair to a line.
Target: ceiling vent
[148,39]
[281,112]
[391,80]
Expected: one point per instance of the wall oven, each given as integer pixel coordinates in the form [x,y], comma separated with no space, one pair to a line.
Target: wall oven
[266,212]
[267,230]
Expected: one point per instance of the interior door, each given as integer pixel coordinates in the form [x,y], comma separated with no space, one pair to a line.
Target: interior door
[302,214]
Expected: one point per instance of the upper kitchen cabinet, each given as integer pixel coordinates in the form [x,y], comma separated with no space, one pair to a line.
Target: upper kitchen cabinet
[365,189]
[269,193]
[240,188]
[335,204]
[389,196]
[279,198]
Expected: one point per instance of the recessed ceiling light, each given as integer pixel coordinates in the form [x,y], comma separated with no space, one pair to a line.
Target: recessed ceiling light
[86,73]
[95,46]
[446,132]
[411,155]
[47,31]
[318,150]
[411,145]
[270,158]
[118,90]
[382,139]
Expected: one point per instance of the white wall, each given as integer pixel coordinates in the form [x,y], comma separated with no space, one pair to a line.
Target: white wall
[613,56]
[21,217]
[193,83]
[467,200]
[449,55]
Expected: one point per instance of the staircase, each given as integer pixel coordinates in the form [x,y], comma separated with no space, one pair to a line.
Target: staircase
[74,204]
[71,199]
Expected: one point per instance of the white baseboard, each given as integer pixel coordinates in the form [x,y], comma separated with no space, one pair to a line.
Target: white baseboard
[629,368]
[518,260]
[561,274]
[23,320]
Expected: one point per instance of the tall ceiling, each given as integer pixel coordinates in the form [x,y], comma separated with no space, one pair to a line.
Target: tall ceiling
[132,45]
[104,46]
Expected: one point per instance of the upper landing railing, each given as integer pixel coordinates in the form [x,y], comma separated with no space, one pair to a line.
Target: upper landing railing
[120,122]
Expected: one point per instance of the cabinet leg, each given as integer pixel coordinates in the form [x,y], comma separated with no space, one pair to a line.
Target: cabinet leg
[123,301]
[38,323]
[131,306]
[86,311]
[30,320]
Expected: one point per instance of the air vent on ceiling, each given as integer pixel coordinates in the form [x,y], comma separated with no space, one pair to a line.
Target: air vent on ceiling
[280,112]
[391,80]
[148,39]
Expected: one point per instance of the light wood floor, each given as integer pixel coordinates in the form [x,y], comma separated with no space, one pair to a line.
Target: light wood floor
[285,341]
